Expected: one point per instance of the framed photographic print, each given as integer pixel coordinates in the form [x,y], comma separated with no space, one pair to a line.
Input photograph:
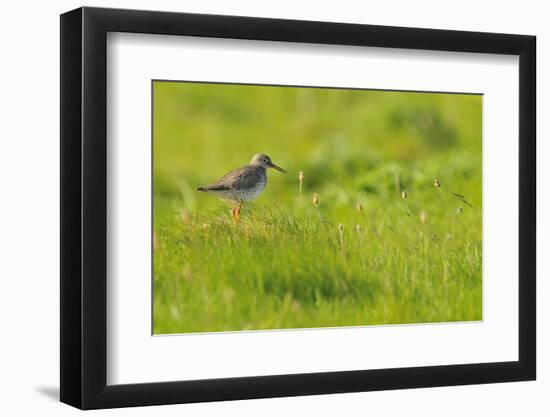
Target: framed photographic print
[257,207]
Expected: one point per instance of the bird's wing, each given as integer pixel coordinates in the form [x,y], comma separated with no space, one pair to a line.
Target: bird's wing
[238,179]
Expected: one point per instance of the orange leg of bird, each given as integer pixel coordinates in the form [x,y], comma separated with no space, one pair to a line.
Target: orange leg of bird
[238,211]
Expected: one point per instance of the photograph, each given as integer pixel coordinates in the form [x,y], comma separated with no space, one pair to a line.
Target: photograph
[280,205]
[298,207]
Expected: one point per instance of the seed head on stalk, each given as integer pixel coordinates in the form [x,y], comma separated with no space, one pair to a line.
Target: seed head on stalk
[404,196]
[301,179]
[315,199]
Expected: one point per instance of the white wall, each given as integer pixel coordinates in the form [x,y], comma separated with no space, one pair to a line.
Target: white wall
[29,238]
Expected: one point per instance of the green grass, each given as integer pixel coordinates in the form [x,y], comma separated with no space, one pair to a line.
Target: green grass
[287,264]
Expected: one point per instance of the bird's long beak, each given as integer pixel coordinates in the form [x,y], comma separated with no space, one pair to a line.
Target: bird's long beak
[278,168]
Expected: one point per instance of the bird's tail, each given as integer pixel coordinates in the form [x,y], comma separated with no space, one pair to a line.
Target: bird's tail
[213,187]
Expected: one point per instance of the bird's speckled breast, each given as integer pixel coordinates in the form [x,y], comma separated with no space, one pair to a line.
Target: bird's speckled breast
[253,192]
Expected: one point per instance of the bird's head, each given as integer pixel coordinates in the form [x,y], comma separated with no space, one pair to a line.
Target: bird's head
[264,161]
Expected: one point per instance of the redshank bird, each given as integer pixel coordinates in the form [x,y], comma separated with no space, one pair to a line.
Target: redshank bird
[242,184]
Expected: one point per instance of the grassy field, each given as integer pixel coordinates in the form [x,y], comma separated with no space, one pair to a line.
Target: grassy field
[363,254]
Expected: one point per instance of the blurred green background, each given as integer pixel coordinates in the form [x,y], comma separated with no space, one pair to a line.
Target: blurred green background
[288,264]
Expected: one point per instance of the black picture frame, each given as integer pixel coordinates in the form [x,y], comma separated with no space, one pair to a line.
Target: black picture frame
[84,207]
